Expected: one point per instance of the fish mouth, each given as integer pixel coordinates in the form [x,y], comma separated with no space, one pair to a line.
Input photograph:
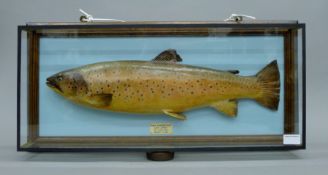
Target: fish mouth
[52,84]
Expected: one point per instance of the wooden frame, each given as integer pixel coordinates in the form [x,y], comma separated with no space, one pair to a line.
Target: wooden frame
[33,90]
[37,143]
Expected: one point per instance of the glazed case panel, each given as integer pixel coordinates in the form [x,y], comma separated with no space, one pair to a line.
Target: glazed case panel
[48,121]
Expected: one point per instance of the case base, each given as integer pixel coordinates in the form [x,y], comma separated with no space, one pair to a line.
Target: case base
[160,155]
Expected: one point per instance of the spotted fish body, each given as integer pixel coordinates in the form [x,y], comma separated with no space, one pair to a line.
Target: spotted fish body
[153,87]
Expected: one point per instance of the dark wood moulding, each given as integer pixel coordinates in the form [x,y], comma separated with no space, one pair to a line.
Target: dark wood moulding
[149,32]
[33,86]
[154,141]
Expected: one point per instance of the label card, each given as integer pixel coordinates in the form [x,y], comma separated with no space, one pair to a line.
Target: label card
[292,139]
[161,128]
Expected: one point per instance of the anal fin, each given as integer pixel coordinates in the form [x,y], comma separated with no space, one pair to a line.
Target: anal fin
[174,114]
[227,107]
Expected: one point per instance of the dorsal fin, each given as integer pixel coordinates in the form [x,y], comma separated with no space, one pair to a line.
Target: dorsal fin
[169,55]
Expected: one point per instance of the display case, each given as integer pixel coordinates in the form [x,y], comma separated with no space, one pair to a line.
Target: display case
[161,86]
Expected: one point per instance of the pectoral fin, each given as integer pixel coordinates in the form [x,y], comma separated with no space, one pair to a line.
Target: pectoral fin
[174,114]
[101,100]
[227,107]
[169,55]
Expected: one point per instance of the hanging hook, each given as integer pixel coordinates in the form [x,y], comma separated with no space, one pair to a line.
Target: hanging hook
[238,17]
[89,18]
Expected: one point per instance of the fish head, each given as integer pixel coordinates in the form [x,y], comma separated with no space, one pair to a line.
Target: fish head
[67,83]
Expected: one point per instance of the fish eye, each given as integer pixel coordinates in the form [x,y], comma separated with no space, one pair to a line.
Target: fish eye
[59,78]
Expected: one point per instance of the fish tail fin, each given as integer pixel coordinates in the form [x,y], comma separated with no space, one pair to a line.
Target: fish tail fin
[269,80]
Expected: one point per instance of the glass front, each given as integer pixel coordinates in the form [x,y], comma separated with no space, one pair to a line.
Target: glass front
[23,90]
[219,53]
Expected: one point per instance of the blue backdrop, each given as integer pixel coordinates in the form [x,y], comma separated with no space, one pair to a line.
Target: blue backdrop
[60,117]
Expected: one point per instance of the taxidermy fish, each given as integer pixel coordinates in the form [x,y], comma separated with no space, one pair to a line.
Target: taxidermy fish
[163,86]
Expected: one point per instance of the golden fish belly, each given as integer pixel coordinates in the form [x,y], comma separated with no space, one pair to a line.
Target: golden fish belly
[148,87]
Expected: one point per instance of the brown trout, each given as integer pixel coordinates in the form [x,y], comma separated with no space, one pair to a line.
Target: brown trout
[162,85]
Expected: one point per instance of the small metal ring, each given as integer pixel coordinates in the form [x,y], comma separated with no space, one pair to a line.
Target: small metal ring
[83,18]
[238,18]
